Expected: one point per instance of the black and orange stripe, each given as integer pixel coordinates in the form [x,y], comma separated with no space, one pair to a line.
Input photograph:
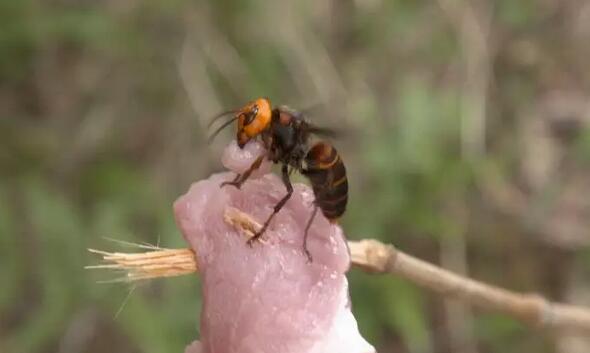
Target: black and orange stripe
[327,175]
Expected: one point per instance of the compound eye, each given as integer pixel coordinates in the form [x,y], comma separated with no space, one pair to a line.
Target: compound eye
[251,115]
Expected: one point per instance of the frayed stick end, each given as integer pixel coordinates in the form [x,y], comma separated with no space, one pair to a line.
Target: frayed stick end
[148,265]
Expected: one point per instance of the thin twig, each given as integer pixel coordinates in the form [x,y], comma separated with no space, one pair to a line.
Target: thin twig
[376,257]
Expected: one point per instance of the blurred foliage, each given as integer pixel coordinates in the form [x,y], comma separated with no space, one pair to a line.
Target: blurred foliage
[103,108]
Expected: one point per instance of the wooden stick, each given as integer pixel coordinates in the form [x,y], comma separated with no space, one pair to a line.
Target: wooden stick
[376,257]
[532,309]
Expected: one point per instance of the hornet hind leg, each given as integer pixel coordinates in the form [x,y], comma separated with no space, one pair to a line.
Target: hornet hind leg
[309,222]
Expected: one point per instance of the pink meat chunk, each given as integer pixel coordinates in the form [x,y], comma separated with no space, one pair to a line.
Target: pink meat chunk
[267,298]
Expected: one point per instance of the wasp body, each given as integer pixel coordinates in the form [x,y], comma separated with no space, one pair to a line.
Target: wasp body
[327,175]
[286,137]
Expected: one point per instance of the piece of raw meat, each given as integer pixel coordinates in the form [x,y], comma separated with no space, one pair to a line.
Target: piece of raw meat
[267,298]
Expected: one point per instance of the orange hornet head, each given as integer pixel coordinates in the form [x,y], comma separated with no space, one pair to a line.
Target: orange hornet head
[253,119]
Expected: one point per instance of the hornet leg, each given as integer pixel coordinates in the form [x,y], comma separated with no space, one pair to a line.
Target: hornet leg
[241,178]
[278,206]
[305,251]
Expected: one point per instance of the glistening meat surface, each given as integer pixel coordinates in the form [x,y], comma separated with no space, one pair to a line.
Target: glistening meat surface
[267,298]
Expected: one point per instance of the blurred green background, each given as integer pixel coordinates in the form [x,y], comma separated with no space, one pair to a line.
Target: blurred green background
[466,145]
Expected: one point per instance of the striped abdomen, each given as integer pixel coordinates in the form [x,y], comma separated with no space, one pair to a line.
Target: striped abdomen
[327,175]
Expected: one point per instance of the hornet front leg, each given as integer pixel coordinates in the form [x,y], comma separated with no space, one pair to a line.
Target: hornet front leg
[241,178]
